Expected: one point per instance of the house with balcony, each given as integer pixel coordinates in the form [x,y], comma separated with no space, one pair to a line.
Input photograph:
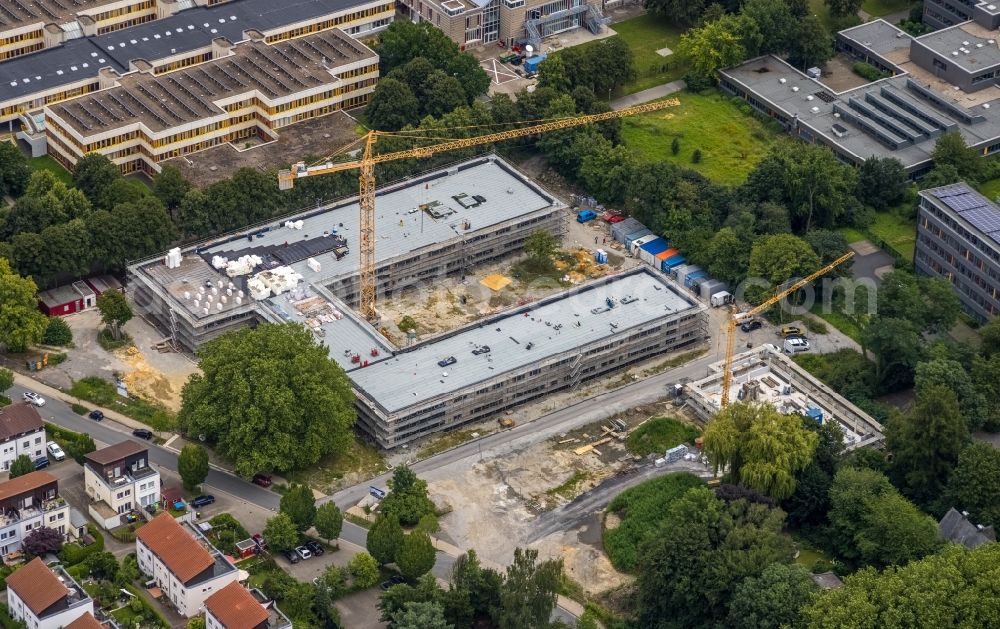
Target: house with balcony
[21,432]
[119,480]
[235,607]
[186,567]
[27,503]
[46,598]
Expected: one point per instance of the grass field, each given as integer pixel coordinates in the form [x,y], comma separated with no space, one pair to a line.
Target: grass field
[47,163]
[660,434]
[731,142]
[645,35]
[899,233]
[884,7]
[990,189]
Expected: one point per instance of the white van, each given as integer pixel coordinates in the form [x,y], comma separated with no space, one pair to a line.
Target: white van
[795,345]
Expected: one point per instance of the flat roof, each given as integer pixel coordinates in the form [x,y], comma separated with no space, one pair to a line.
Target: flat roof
[188,30]
[16,13]
[521,337]
[967,45]
[189,95]
[878,36]
[980,214]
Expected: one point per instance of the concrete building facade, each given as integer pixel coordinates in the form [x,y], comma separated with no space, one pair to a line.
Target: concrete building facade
[46,598]
[958,238]
[119,479]
[945,13]
[247,91]
[21,432]
[27,503]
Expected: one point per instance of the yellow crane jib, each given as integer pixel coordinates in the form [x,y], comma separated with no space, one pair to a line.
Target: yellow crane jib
[366,178]
[739,317]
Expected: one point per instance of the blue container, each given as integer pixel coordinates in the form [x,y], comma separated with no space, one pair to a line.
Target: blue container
[671,263]
[690,279]
[585,215]
[815,414]
[635,236]
[531,63]
[655,246]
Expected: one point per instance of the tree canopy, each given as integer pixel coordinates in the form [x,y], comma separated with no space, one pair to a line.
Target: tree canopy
[269,398]
[20,466]
[416,555]
[407,499]
[280,532]
[772,600]
[329,521]
[21,324]
[975,483]
[300,505]
[192,465]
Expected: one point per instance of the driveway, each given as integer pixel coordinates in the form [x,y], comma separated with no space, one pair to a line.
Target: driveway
[869,261]
[360,610]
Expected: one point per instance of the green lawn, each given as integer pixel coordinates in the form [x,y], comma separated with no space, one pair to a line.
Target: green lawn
[899,233]
[884,7]
[990,189]
[47,163]
[659,435]
[852,235]
[839,320]
[731,142]
[645,35]
[819,9]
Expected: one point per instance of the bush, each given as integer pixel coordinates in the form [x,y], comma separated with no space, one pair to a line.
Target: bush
[73,554]
[868,71]
[57,359]
[57,333]
[815,326]
[659,434]
[5,401]
[77,445]
[104,393]
[79,409]
[696,156]
[109,343]
[641,509]
[226,521]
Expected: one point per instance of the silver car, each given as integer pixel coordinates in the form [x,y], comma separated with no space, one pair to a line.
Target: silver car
[33,398]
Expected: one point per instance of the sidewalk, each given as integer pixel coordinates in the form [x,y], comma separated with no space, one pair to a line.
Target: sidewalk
[52,392]
[647,95]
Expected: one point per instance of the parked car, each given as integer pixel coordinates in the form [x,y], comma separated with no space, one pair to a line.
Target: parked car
[796,344]
[391,581]
[791,330]
[303,552]
[257,537]
[33,398]
[264,480]
[96,415]
[142,433]
[41,463]
[315,547]
[451,360]
[750,326]
[291,556]
[202,501]
[55,451]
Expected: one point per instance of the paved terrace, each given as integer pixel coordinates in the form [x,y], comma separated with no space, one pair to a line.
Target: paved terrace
[519,338]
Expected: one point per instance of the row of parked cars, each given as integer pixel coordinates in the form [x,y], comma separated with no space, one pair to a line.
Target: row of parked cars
[310,549]
[795,340]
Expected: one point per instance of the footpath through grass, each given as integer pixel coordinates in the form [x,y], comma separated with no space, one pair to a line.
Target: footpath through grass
[731,139]
[104,393]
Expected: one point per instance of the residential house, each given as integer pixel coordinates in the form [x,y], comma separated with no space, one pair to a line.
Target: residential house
[956,527]
[118,480]
[27,503]
[185,566]
[21,432]
[88,621]
[235,607]
[46,598]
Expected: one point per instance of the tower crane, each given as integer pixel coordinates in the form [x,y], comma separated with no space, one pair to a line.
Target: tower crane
[366,178]
[739,317]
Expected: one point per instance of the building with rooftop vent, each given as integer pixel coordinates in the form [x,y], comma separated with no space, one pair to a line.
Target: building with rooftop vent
[943,81]
[945,13]
[46,598]
[186,567]
[958,238]
[21,432]
[248,90]
[119,479]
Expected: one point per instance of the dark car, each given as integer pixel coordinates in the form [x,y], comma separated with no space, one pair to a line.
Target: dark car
[391,581]
[315,547]
[291,556]
[142,433]
[202,501]
[96,415]
[451,360]
[750,326]
[264,480]
[41,463]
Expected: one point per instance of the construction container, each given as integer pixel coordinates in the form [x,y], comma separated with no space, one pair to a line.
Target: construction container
[710,287]
[672,263]
[638,242]
[680,272]
[623,228]
[531,63]
[815,414]
[648,251]
[676,453]
[721,299]
[691,280]
[631,238]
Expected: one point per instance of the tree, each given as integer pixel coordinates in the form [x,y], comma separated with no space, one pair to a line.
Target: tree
[950,149]
[80,447]
[761,447]
[529,591]
[269,398]
[405,41]
[773,599]
[679,12]
[712,47]
[6,379]
[990,334]
[943,304]
[94,175]
[300,505]
[810,43]
[407,499]
[396,597]
[20,466]
[973,404]
[428,615]
[192,465]
[706,548]
[775,22]
[385,538]
[926,444]
[328,521]
[975,483]
[21,324]
[443,93]
[170,187]
[364,569]
[14,171]
[392,106]
[57,333]
[843,8]
[115,311]
[475,586]
[728,255]
[416,555]
[42,541]
[898,348]
[280,532]
[955,587]
[198,622]
[829,245]
[882,181]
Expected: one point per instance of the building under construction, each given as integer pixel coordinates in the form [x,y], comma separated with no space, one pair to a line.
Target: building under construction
[766,375]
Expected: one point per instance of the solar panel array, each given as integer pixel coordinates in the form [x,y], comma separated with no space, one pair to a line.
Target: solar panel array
[973,208]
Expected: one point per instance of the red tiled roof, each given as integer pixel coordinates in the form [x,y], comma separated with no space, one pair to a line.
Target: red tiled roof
[35,584]
[24,484]
[87,621]
[17,419]
[236,608]
[176,548]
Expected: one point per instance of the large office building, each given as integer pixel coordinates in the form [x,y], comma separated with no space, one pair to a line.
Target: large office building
[958,238]
[89,63]
[470,22]
[945,13]
[247,90]
[943,81]
[507,360]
